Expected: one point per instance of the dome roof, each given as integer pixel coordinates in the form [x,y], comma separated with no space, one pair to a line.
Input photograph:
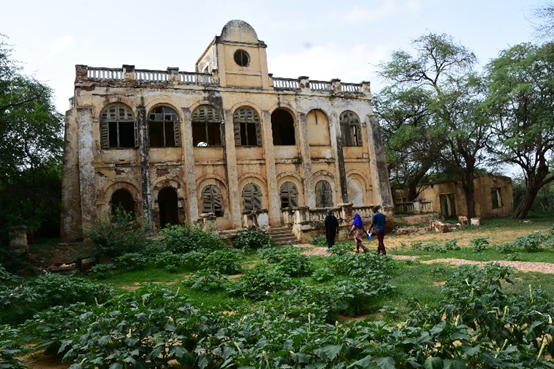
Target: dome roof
[238,30]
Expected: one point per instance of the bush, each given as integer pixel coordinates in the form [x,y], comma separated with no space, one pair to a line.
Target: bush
[259,282]
[34,295]
[207,280]
[224,261]
[318,241]
[180,239]
[479,244]
[117,236]
[252,240]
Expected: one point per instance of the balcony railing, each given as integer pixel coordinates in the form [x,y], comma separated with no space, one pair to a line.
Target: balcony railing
[105,73]
[145,75]
[286,83]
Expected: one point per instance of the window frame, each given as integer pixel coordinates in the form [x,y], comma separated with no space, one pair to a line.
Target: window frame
[214,197]
[122,114]
[326,194]
[206,116]
[351,129]
[256,197]
[243,118]
[291,199]
[175,122]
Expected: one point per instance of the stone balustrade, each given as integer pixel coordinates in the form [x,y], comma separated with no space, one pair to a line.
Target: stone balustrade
[86,73]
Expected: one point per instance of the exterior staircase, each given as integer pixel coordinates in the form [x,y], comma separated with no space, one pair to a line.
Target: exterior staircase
[283,236]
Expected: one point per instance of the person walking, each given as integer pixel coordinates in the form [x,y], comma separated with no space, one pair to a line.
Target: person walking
[378,224]
[331,228]
[359,232]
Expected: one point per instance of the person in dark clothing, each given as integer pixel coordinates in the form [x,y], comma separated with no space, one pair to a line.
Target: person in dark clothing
[331,228]
[378,224]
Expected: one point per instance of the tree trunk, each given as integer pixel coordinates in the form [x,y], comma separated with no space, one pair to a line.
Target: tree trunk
[412,191]
[526,203]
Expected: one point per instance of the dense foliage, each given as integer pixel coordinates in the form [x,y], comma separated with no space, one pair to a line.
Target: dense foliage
[186,237]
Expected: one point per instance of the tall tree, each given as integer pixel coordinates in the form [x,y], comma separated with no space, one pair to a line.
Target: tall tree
[521,100]
[30,147]
[544,26]
[444,70]
[411,148]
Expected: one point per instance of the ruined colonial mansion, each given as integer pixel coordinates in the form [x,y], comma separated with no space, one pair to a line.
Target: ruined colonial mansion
[226,141]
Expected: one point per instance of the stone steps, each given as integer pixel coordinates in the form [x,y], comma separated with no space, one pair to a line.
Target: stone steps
[283,236]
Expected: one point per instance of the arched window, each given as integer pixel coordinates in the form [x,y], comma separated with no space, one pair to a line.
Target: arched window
[118,127]
[123,200]
[323,194]
[351,129]
[212,201]
[289,195]
[169,207]
[163,127]
[282,125]
[251,197]
[206,126]
[247,127]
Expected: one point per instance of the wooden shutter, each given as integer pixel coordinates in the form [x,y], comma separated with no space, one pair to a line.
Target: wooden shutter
[177,133]
[104,135]
[247,197]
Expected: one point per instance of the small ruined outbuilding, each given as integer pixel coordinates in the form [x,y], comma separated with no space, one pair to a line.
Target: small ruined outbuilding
[493,197]
[228,142]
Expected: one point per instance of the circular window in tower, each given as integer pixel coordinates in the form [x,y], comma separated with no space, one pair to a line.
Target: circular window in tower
[242,58]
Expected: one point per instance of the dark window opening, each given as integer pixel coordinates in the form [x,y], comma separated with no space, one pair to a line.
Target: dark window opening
[163,127]
[124,200]
[242,58]
[247,127]
[117,127]
[496,198]
[282,125]
[289,195]
[212,201]
[206,126]
[323,194]
[448,205]
[169,207]
[351,129]
[251,197]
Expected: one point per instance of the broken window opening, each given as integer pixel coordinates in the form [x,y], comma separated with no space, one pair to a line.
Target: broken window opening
[247,127]
[206,126]
[351,129]
[289,195]
[168,203]
[163,127]
[251,197]
[496,198]
[323,194]
[282,125]
[123,200]
[117,127]
[212,201]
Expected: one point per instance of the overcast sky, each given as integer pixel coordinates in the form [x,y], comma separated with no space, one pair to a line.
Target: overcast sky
[322,39]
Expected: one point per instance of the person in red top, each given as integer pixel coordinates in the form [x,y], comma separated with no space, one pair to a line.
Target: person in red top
[378,224]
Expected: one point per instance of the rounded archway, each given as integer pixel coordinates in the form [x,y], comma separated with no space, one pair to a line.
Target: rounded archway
[123,200]
[169,207]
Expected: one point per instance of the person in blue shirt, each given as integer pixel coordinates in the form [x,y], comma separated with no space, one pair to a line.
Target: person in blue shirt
[378,224]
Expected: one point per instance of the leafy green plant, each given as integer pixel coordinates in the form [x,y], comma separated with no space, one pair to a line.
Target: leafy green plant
[452,245]
[10,349]
[479,244]
[207,280]
[118,235]
[259,282]
[341,248]
[323,274]
[22,301]
[318,241]
[252,240]
[224,261]
[184,238]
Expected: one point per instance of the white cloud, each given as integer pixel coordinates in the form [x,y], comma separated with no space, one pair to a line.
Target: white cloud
[57,46]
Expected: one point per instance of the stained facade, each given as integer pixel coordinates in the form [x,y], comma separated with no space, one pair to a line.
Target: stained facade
[226,140]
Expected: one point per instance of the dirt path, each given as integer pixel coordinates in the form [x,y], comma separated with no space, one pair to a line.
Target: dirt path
[523,266]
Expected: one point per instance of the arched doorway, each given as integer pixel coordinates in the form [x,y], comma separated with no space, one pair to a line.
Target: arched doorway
[169,208]
[124,200]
